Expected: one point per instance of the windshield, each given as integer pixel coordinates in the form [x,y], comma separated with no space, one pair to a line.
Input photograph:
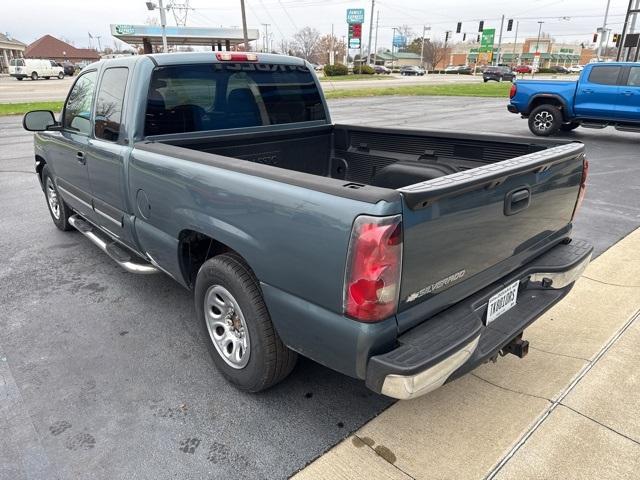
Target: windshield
[191,98]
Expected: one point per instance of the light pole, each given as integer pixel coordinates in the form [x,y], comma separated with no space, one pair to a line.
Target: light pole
[537,54]
[163,22]
[244,27]
[373,6]
[603,31]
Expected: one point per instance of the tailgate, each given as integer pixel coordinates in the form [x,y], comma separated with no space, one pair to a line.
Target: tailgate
[469,229]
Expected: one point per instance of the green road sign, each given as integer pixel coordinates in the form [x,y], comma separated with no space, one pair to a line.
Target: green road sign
[486,42]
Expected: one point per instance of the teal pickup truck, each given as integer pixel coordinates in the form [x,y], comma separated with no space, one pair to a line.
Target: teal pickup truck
[400,257]
[606,94]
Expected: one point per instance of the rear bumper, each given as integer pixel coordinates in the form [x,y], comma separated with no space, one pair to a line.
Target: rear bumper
[512,108]
[457,340]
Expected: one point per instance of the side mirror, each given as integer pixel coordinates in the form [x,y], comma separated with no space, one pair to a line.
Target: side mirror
[39,121]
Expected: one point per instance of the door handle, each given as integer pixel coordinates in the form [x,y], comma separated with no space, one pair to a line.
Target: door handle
[80,158]
[587,90]
[517,200]
[627,93]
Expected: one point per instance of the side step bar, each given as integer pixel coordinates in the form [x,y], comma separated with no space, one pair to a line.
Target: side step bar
[118,254]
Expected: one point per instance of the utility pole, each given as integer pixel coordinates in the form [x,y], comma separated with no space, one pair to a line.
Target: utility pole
[515,42]
[331,52]
[603,31]
[163,23]
[424,31]
[497,60]
[373,5]
[375,44]
[244,26]
[540,22]
[633,30]
[393,43]
[99,46]
[265,40]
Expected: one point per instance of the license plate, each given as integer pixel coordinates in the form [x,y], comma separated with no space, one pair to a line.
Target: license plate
[502,302]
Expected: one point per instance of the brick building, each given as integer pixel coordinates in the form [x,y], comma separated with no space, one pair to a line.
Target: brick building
[51,48]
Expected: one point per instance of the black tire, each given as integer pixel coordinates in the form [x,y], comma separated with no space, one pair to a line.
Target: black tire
[61,76]
[19,78]
[61,218]
[34,75]
[270,361]
[567,127]
[545,120]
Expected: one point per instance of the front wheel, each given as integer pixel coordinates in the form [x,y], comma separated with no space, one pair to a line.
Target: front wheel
[242,340]
[58,210]
[545,120]
[61,76]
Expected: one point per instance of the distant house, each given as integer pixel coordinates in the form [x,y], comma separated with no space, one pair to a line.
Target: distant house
[51,48]
[397,59]
[9,48]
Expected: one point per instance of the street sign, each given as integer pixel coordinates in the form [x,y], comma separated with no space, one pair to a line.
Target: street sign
[399,41]
[355,15]
[631,40]
[535,66]
[486,42]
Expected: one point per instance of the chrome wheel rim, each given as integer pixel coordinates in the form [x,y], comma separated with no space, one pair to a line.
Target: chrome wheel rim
[52,199]
[543,120]
[227,327]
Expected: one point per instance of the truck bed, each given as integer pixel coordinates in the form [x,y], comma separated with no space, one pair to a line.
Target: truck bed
[387,158]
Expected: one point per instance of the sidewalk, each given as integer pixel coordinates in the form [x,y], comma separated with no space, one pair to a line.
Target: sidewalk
[570,409]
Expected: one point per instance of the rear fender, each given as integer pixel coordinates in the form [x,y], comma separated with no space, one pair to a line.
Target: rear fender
[553,99]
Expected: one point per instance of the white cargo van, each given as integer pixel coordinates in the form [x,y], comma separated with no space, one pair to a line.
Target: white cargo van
[26,67]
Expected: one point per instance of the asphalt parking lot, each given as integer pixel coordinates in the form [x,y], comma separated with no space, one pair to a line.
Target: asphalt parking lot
[105,374]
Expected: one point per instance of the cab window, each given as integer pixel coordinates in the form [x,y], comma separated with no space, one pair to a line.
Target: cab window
[634,77]
[77,110]
[109,103]
[604,75]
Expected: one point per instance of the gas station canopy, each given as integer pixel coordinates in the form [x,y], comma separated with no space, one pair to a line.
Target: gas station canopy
[152,35]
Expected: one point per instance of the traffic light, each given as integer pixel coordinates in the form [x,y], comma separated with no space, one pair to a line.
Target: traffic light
[481,26]
[595,37]
[464,37]
[616,39]
[510,25]
[459,27]
[446,36]
[478,38]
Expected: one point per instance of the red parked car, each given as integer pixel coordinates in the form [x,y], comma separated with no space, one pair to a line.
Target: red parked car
[522,69]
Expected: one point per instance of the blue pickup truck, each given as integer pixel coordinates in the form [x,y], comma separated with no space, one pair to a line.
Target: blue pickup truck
[401,257]
[606,94]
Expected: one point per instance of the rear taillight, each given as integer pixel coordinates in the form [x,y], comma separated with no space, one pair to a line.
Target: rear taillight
[583,187]
[374,262]
[514,89]
[236,57]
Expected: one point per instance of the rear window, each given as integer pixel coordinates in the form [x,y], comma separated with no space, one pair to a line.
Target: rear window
[605,75]
[191,98]
[16,62]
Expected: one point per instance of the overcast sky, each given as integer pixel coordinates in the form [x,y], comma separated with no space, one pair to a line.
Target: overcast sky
[566,20]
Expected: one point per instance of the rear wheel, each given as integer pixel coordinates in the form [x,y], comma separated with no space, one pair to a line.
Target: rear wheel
[61,75]
[545,120]
[34,75]
[242,340]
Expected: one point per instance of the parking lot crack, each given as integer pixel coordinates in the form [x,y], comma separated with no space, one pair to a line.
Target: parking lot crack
[600,423]
[558,354]
[610,284]
[510,389]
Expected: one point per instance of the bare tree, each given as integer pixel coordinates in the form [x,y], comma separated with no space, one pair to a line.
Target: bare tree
[305,43]
[434,53]
[324,47]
